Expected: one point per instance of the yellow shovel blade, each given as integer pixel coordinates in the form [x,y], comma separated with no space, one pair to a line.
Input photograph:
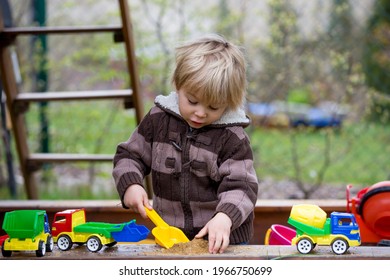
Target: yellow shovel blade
[169,236]
[165,235]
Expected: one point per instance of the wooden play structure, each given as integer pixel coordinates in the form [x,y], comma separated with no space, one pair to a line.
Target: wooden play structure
[17,102]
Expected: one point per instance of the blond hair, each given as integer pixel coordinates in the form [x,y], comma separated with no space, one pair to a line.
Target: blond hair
[213,69]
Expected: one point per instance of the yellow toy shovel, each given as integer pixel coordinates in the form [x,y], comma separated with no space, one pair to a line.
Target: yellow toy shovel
[164,234]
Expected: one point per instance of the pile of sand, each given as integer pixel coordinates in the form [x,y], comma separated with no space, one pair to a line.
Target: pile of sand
[196,246]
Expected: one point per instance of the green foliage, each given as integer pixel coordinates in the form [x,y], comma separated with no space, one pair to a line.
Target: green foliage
[379,110]
[292,56]
[301,96]
[376,60]
[83,127]
[350,159]
[357,153]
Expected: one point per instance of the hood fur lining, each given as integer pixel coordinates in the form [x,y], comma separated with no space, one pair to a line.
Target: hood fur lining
[171,103]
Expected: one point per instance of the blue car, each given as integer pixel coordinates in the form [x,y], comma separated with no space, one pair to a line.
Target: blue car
[317,118]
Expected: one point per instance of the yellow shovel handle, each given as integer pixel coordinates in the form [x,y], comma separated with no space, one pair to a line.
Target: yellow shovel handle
[267,235]
[156,219]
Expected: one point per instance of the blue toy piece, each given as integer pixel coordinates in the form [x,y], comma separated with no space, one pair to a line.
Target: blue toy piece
[131,232]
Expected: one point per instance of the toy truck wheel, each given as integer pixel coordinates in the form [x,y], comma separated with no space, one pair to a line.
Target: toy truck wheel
[339,246]
[4,252]
[94,244]
[41,249]
[64,243]
[304,245]
[49,244]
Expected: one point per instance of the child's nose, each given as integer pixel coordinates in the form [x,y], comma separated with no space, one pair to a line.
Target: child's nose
[200,112]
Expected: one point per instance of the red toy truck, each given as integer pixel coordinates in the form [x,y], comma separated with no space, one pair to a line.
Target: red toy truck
[70,227]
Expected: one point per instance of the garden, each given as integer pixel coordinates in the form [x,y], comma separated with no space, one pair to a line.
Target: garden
[298,53]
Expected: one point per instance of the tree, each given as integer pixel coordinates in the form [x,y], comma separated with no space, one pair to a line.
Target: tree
[376,60]
[278,54]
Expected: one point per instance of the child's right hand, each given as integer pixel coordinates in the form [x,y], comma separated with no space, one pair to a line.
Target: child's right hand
[136,199]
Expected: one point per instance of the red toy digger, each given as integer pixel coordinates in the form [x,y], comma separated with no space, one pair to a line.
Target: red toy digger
[371,207]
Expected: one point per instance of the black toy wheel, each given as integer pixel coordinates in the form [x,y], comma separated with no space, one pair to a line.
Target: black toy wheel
[41,249]
[4,252]
[49,244]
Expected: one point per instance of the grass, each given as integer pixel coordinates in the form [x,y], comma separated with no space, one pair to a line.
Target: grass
[86,127]
[356,154]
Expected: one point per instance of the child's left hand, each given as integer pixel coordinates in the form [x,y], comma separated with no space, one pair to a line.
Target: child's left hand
[218,229]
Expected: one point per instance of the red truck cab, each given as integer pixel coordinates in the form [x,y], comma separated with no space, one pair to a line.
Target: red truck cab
[63,220]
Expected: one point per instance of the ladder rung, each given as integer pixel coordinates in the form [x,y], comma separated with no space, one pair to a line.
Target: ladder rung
[61,158]
[14,31]
[72,95]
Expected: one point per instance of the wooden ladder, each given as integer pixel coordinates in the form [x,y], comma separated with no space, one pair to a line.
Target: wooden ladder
[17,103]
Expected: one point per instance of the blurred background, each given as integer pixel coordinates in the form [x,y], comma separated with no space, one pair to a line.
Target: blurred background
[318,92]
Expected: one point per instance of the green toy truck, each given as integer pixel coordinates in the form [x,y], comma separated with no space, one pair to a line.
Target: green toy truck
[27,230]
[340,230]
[70,227]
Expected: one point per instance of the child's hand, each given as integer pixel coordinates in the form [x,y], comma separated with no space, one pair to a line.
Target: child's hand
[136,198]
[218,229]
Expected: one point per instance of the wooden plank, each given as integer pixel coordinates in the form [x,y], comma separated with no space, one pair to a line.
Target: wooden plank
[58,157]
[35,30]
[128,38]
[73,95]
[272,205]
[35,161]
[112,211]
[132,251]
[127,31]
[267,212]
[8,81]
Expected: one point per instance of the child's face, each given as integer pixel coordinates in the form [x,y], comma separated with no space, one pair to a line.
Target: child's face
[196,112]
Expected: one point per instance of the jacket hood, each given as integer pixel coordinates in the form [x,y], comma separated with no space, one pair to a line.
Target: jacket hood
[170,103]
